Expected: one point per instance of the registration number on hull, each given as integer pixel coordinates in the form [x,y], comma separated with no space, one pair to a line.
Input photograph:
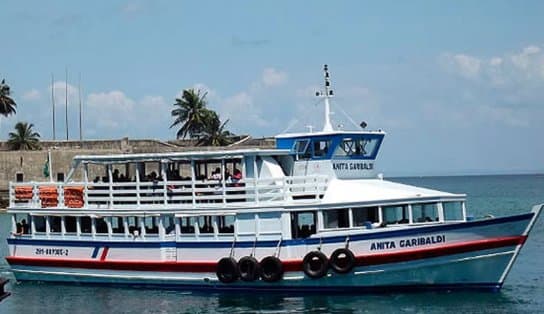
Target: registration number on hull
[51,251]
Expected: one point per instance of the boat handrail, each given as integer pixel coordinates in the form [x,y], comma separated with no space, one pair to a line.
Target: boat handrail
[166,193]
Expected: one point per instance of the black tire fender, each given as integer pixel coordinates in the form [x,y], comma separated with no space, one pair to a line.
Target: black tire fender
[249,268]
[227,270]
[271,269]
[315,264]
[342,260]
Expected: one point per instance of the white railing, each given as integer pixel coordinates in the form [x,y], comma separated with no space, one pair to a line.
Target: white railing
[164,194]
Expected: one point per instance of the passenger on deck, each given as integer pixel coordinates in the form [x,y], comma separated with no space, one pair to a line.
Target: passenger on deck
[18,230]
[236,177]
[216,175]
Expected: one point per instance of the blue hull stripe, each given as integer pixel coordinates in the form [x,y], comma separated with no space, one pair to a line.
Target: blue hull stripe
[95,251]
[250,244]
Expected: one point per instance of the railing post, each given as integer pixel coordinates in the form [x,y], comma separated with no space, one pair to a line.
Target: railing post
[193,193]
[165,183]
[110,181]
[256,190]
[137,187]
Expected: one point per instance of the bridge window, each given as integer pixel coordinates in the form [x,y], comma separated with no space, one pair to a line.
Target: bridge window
[302,149]
[356,147]
[321,148]
[364,215]
[425,212]
[453,210]
[336,218]
[395,214]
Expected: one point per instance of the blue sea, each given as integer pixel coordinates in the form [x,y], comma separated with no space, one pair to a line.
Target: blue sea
[523,291]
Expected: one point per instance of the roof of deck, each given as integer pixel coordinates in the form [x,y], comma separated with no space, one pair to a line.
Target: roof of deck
[325,133]
[376,190]
[187,155]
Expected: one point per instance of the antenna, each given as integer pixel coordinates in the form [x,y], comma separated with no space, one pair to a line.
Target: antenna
[327,127]
[66,103]
[53,104]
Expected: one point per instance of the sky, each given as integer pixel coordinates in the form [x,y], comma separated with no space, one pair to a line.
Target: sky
[457,85]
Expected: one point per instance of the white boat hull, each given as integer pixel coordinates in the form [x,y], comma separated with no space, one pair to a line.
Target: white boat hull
[476,254]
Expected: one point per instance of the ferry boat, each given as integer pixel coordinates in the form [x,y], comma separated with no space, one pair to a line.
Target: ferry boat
[313,214]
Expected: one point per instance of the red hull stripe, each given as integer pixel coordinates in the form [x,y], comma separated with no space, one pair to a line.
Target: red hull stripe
[289,265]
[104,254]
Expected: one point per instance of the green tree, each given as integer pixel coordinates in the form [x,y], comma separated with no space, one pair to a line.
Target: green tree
[214,133]
[24,137]
[190,112]
[7,104]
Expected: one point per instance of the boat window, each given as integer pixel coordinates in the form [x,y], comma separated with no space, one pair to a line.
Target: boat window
[169,224]
[39,223]
[225,224]
[54,224]
[187,224]
[133,224]
[336,218]
[101,225]
[205,224]
[70,224]
[321,148]
[356,147]
[85,223]
[303,224]
[365,215]
[453,210]
[395,214]
[151,225]
[302,149]
[424,212]
[117,225]
[23,222]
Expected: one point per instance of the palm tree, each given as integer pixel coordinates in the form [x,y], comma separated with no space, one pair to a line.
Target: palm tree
[24,137]
[190,112]
[7,104]
[214,133]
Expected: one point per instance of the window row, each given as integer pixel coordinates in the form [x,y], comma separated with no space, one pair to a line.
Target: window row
[397,214]
[132,225]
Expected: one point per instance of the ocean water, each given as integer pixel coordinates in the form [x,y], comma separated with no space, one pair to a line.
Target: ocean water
[523,291]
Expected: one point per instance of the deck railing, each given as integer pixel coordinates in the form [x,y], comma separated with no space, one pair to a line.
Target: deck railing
[166,194]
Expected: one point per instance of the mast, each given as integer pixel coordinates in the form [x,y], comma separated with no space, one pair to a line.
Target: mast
[327,126]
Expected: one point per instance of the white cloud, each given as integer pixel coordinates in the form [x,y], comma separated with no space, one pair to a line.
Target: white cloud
[272,77]
[110,110]
[463,65]
[522,67]
[32,95]
[60,88]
